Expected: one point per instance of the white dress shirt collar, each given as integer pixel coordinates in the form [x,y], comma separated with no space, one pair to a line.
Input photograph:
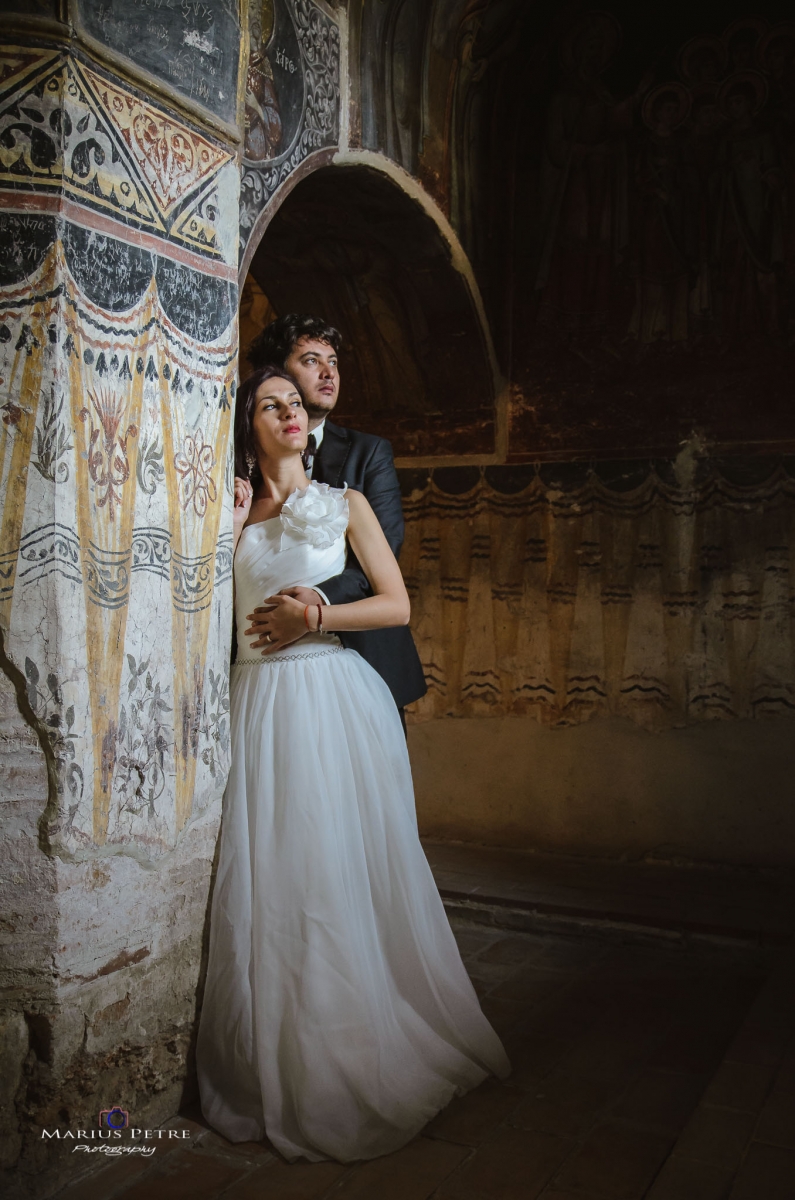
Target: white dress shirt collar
[318,433]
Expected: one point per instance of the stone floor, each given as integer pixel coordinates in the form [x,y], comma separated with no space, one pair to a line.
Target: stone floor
[518,890]
[656,1063]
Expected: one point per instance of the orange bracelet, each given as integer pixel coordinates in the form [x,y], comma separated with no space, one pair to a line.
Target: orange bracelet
[306,618]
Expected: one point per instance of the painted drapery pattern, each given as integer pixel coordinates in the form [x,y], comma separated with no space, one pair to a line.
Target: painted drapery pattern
[669,603]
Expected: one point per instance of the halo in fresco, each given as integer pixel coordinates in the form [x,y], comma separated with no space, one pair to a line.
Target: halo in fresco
[275,85]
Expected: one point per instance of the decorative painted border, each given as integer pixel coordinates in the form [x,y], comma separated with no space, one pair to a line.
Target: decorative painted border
[74,134]
[67,30]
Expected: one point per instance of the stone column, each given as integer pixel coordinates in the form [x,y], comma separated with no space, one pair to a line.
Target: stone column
[118,348]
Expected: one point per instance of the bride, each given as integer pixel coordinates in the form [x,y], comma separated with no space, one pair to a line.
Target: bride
[338,1017]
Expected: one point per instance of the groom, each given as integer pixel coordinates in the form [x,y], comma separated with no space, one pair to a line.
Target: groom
[308,348]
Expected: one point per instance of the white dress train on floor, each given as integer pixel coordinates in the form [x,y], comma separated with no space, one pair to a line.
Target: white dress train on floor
[338,1017]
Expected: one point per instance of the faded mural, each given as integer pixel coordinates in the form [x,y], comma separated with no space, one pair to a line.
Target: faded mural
[662,593]
[292,98]
[118,360]
[622,181]
[653,223]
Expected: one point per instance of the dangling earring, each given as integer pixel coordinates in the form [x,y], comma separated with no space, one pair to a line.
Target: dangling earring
[251,463]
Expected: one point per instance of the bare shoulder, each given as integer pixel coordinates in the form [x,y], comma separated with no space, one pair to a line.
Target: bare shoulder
[361,515]
[359,504]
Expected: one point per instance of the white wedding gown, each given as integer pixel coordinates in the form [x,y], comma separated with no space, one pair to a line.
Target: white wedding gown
[338,1017]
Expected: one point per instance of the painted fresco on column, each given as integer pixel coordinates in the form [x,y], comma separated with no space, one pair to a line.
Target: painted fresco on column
[118,356]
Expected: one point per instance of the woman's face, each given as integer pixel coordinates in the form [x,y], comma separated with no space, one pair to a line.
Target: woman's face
[279,421]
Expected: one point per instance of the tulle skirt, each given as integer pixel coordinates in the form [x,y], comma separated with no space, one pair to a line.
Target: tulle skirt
[338,1017]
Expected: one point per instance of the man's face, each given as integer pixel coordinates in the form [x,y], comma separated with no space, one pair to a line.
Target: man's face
[314,365]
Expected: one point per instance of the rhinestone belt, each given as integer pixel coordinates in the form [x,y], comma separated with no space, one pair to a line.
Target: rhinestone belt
[258,662]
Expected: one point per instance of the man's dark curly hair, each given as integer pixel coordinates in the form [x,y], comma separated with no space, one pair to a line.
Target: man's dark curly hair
[276,342]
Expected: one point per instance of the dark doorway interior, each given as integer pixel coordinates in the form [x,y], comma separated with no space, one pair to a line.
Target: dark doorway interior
[351,246]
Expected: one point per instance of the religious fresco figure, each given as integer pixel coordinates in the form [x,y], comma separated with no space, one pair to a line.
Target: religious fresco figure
[262,114]
[701,61]
[749,235]
[403,76]
[702,142]
[583,198]
[665,233]
[776,59]
[741,39]
[485,39]
[381,311]
[774,55]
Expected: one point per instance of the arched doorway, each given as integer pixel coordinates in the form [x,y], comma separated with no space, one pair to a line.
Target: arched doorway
[349,244]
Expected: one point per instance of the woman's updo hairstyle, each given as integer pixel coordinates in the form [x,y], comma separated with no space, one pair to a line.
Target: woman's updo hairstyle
[246,465]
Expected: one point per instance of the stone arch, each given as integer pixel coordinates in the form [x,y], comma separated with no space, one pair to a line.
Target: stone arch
[359,242]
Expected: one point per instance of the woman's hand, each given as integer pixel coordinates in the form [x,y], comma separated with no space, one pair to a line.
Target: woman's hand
[278,622]
[244,494]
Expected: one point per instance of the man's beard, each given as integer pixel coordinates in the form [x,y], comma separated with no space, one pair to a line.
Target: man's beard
[316,412]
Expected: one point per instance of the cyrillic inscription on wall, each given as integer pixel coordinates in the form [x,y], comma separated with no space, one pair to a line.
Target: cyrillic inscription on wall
[193,45]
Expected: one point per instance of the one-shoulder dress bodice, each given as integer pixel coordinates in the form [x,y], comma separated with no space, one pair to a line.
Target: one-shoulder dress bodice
[279,553]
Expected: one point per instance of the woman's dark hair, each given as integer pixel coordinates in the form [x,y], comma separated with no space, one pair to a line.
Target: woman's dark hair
[276,342]
[245,447]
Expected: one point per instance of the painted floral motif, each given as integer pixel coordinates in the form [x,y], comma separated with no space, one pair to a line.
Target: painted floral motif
[12,413]
[142,741]
[194,464]
[229,471]
[216,726]
[52,441]
[59,728]
[108,464]
[149,464]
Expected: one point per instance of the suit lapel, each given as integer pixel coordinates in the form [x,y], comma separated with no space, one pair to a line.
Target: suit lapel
[332,455]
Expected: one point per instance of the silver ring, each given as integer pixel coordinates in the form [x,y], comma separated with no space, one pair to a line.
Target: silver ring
[267,637]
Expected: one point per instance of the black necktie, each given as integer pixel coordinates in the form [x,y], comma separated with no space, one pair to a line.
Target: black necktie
[308,454]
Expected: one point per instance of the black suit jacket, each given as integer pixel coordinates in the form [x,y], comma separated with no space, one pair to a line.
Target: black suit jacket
[365,463]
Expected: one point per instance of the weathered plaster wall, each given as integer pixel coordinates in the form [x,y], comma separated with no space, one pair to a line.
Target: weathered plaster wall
[610,656]
[28,903]
[717,792]
[99,965]
[663,595]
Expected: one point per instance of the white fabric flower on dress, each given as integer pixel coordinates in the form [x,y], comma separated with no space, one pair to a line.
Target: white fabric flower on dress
[318,515]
